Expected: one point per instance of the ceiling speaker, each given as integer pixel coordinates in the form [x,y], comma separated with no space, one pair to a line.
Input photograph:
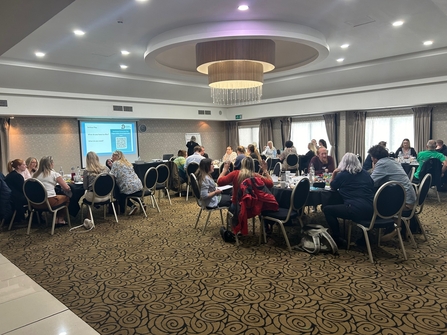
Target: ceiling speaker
[142,128]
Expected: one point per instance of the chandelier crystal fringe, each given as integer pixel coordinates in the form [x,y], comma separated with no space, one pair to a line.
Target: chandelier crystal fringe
[235,68]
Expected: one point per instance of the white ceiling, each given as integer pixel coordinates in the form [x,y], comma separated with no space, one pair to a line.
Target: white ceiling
[378,53]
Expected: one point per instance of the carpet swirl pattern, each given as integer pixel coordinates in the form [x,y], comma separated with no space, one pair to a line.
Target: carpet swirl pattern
[160,276]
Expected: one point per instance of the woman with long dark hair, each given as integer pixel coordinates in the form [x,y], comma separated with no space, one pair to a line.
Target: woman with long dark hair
[210,195]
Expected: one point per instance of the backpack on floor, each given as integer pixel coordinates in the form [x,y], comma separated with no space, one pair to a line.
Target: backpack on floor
[315,239]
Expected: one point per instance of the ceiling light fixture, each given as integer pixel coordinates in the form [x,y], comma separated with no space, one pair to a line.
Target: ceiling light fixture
[39,54]
[123,66]
[125,52]
[428,42]
[340,60]
[344,46]
[79,32]
[243,7]
[236,68]
[398,23]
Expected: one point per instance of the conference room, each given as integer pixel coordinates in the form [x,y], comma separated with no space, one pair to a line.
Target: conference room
[135,66]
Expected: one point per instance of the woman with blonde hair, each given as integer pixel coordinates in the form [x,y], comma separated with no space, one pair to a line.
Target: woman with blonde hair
[269,150]
[31,167]
[15,181]
[49,179]
[93,169]
[126,179]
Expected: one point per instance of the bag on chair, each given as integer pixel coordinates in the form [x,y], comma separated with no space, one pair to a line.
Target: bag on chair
[315,239]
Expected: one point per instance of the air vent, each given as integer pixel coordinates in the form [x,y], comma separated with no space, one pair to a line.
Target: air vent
[117,108]
[3,103]
[207,112]
[128,108]
[201,112]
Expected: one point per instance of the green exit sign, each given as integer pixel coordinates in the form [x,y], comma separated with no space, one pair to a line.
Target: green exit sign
[238,117]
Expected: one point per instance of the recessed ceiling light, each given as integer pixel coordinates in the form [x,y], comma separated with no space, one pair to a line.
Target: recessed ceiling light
[428,42]
[123,66]
[344,46]
[243,7]
[141,0]
[78,32]
[125,52]
[340,60]
[398,23]
[39,54]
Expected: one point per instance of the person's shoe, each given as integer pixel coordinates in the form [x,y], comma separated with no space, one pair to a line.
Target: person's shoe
[133,210]
[88,224]
[389,237]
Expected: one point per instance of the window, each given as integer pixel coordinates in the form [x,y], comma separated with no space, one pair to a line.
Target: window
[248,135]
[391,129]
[304,131]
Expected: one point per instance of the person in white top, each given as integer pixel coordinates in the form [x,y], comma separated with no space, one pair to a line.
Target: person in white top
[230,155]
[269,150]
[49,179]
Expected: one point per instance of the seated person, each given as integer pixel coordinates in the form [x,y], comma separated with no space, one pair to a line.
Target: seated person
[322,163]
[180,162]
[126,180]
[203,153]
[356,188]
[31,167]
[230,155]
[290,149]
[368,164]
[196,157]
[210,195]
[322,143]
[305,159]
[15,181]
[441,147]
[269,150]
[93,169]
[49,178]
[424,156]
[240,156]
[253,152]
[405,149]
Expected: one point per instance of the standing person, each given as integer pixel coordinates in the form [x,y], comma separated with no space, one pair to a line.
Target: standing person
[15,181]
[356,188]
[230,155]
[126,180]
[191,145]
[49,179]
[180,162]
[269,150]
[31,167]
[406,149]
[323,162]
[210,195]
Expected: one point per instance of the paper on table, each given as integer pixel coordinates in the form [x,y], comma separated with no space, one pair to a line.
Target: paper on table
[226,187]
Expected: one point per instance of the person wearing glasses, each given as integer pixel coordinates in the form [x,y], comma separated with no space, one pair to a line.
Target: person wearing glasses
[49,178]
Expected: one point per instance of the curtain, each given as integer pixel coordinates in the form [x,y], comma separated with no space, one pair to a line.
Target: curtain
[358,136]
[286,129]
[422,127]
[4,144]
[232,134]
[265,133]
[330,120]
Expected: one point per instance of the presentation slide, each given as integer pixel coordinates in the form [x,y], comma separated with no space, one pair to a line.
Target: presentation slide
[105,137]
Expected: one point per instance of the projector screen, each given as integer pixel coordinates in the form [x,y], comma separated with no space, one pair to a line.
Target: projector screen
[105,137]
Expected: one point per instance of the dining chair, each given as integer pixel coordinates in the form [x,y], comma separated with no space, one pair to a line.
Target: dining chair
[162,181]
[292,163]
[432,166]
[268,160]
[257,165]
[277,169]
[295,210]
[191,168]
[196,191]
[388,204]
[411,173]
[36,195]
[103,185]
[421,194]
[149,184]
[230,168]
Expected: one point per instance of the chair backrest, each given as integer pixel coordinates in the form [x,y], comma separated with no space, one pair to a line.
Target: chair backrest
[411,173]
[434,167]
[300,194]
[191,168]
[230,168]
[423,189]
[172,159]
[389,200]
[150,178]
[277,169]
[167,156]
[195,187]
[257,165]
[359,158]
[268,160]
[35,192]
[163,174]
[391,154]
[292,160]
[103,185]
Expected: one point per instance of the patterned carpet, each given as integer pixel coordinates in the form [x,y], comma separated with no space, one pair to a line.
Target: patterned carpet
[160,276]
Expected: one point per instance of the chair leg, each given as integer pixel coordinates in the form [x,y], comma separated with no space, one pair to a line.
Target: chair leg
[221,217]
[206,223]
[187,192]
[154,201]
[198,217]
[114,211]
[409,233]
[349,236]
[12,219]
[169,197]
[91,215]
[30,220]
[368,245]
[401,242]
[422,227]
[437,193]
[53,223]
[142,207]
[262,231]
[285,236]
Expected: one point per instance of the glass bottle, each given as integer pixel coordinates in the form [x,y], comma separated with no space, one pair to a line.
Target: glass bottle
[73,173]
[61,172]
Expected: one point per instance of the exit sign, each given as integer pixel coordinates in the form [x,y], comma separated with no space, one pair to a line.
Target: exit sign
[238,117]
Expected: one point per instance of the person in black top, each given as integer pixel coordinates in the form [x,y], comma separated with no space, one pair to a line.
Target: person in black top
[441,147]
[356,188]
[191,144]
[15,181]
